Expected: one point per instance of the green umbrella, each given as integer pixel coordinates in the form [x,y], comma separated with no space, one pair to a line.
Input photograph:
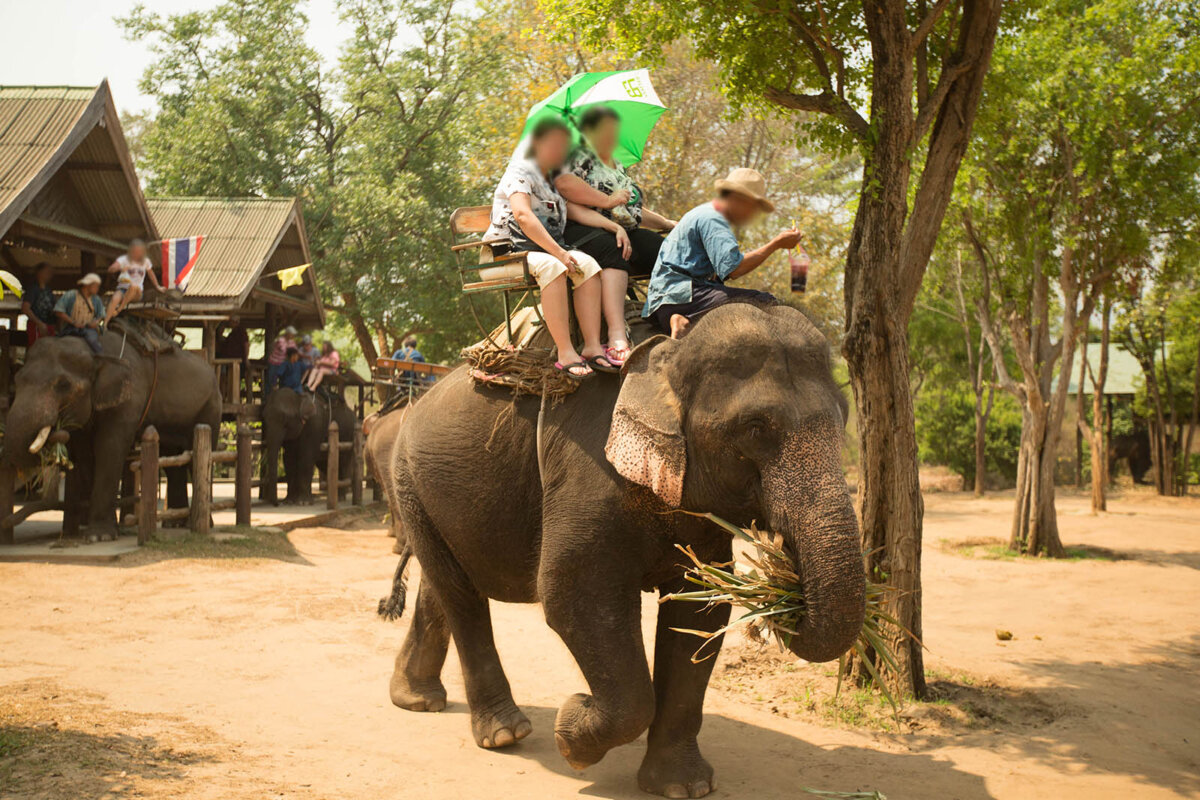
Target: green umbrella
[629,93]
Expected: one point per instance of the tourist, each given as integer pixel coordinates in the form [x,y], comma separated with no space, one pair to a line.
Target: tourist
[278,357]
[604,219]
[326,364]
[132,269]
[308,351]
[529,216]
[37,303]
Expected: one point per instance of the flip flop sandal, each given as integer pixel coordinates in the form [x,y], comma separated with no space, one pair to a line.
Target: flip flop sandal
[614,360]
[565,369]
[602,364]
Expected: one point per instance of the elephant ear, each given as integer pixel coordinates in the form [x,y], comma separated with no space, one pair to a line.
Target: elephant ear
[112,383]
[645,442]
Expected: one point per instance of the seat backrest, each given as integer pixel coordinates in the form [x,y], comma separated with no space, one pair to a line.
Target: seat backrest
[474,219]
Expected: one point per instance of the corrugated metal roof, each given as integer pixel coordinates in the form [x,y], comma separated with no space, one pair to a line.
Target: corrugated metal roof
[242,235]
[1124,373]
[75,131]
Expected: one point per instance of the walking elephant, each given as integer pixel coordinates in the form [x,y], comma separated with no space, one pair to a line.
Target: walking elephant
[569,504]
[297,424]
[1134,448]
[105,401]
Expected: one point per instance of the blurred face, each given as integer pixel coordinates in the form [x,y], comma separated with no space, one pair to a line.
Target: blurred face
[604,137]
[89,289]
[739,209]
[550,151]
[42,276]
[327,348]
[137,252]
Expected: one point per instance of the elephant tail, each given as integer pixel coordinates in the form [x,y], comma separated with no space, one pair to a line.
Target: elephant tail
[392,606]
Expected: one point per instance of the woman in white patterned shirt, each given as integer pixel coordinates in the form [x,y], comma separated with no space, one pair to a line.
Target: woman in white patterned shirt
[528,216]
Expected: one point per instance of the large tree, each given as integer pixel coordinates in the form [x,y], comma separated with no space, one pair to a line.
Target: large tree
[377,147]
[1086,151]
[899,82]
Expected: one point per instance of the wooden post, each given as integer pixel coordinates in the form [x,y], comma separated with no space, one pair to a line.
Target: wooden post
[356,467]
[8,476]
[244,473]
[201,512]
[331,468]
[148,518]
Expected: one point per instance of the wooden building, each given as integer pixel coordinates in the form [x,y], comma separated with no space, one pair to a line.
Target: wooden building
[69,195]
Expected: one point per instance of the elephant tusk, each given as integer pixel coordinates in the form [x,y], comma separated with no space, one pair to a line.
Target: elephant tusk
[40,440]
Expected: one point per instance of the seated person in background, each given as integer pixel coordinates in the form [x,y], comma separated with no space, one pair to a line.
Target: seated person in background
[701,253]
[133,267]
[37,303]
[409,352]
[80,311]
[291,376]
[604,215]
[528,211]
[326,364]
[278,357]
[308,351]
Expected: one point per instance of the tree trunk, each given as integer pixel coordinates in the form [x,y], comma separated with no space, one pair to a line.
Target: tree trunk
[366,341]
[1097,439]
[1035,522]
[1195,419]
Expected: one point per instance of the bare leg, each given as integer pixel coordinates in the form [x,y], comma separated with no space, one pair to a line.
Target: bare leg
[679,325]
[554,310]
[587,311]
[614,283]
[115,305]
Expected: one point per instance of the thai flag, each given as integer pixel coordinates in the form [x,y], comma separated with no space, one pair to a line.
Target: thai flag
[178,258]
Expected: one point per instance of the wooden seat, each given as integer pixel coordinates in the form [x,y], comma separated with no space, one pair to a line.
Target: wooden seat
[483,270]
[411,377]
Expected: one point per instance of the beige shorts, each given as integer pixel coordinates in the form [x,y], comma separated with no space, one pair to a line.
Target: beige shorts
[545,267]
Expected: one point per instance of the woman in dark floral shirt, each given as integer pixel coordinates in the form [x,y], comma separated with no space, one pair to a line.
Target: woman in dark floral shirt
[37,302]
[605,218]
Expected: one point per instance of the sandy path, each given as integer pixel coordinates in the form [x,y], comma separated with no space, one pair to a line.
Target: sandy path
[268,678]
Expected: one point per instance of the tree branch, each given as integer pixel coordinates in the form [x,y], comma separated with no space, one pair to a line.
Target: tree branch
[926,26]
[824,103]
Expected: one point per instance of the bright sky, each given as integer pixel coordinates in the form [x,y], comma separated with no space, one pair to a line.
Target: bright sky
[76,43]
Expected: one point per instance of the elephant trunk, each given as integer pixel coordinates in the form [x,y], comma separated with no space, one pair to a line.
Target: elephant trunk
[809,504]
[26,430]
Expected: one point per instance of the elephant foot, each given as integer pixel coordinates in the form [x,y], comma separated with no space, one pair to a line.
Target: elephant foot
[579,750]
[500,728]
[426,695]
[676,772]
[101,533]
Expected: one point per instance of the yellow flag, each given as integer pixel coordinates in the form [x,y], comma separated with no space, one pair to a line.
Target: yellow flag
[292,276]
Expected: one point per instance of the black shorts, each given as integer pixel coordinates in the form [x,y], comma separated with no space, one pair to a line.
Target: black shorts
[706,297]
[602,246]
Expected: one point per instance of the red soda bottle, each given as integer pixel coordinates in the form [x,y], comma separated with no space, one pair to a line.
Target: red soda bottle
[799,261]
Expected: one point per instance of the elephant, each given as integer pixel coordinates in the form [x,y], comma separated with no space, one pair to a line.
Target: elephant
[571,504]
[1135,449]
[298,424]
[102,400]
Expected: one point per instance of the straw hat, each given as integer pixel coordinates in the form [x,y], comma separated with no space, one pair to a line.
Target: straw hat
[89,279]
[747,182]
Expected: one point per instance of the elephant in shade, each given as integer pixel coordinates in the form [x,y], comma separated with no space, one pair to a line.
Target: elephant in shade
[102,401]
[297,424]
[570,505]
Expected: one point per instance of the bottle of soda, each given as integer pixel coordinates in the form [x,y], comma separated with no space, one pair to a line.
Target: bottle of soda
[799,261]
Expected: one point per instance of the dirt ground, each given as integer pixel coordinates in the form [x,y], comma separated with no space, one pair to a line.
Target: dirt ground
[257,669]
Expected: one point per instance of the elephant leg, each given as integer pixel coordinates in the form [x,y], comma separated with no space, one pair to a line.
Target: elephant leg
[177,492]
[75,498]
[306,465]
[597,612]
[110,448]
[269,485]
[673,766]
[416,683]
[495,719]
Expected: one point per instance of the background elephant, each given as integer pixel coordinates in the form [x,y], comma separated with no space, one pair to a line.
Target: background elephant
[298,424]
[101,400]
[569,505]
[1134,448]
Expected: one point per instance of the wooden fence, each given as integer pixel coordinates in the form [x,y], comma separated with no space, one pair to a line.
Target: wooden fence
[146,465]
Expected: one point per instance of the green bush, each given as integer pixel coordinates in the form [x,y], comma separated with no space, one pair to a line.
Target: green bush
[946,433]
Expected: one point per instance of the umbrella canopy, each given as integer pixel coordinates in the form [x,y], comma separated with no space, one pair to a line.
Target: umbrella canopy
[629,93]
[10,282]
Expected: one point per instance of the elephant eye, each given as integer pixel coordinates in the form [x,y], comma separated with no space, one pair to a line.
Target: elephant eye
[62,385]
[755,428]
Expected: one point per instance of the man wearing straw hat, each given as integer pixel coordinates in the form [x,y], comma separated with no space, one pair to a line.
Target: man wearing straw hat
[701,253]
[80,312]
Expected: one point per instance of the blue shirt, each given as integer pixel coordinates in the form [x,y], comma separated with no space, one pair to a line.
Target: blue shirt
[66,304]
[701,249]
[404,354]
[291,374]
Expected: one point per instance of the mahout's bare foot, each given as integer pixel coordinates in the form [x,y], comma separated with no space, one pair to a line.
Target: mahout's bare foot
[679,325]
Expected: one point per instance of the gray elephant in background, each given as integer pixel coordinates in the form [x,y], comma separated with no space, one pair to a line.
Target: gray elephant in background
[105,401]
[570,505]
[297,424]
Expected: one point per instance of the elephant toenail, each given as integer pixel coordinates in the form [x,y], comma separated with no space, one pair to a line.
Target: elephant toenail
[524,728]
[504,737]
[700,789]
[676,792]
[487,742]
